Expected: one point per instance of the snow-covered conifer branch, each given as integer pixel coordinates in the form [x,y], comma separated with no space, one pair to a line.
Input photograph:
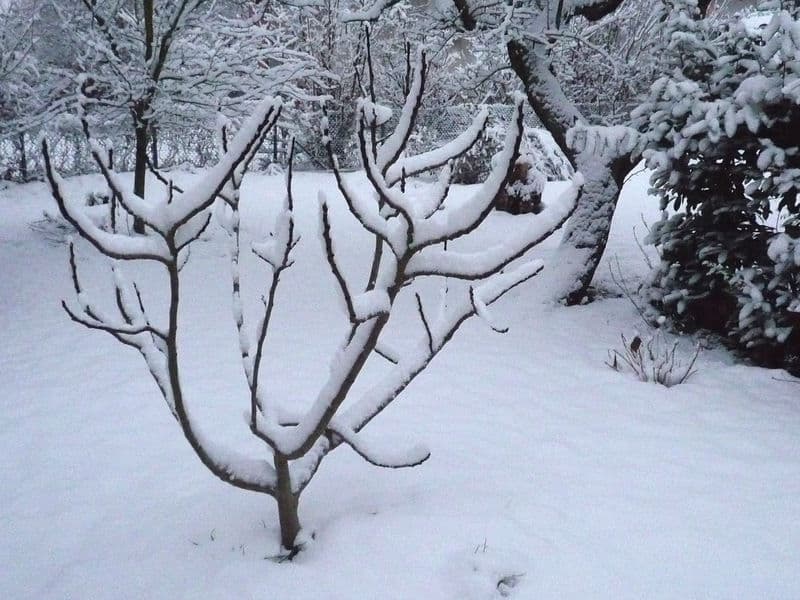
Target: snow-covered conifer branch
[602,142]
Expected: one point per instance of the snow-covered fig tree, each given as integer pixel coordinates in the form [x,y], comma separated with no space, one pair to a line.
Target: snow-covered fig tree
[411,231]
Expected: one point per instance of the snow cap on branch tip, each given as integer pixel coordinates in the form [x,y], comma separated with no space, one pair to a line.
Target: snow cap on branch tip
[222,120]
[270,101]
[41,138]
[482,310]
[374,113]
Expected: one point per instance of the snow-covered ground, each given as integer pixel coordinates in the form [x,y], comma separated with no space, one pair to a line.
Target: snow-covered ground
[549,472]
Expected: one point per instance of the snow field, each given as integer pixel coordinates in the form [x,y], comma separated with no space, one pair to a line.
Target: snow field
[549,471]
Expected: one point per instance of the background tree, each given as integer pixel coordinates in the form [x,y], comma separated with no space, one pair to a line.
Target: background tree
[31,87]
[17,75]
[152,64]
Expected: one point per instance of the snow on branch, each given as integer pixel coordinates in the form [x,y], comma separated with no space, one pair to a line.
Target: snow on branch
[241,150]
[487,269]
[602,142]
[414,225]
[113,245]
[175,223]
[433,159]
[365,210]
[129,330]
[438,333]
[330,255]
[372,13]
[393,146]
[436,261]
[389,458]
[454,222]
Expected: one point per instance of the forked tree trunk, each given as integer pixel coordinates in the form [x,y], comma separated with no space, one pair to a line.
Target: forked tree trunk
[287,504]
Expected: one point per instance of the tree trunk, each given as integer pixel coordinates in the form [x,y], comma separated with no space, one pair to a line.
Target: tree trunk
[140,110]
[113,199]
[287,505]
[587,231]
[140,166]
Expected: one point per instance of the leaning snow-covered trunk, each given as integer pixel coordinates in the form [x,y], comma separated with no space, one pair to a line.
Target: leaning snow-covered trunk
[604,165]
[411,231]
[602,156]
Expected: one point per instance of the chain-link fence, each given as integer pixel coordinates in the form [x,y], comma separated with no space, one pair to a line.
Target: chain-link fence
[21,156]
[21,159]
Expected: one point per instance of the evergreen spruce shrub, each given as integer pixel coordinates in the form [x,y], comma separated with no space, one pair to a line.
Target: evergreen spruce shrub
[720,134]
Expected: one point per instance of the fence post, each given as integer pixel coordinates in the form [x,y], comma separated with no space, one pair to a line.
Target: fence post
[154,146]
[113,199]
[23,158]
